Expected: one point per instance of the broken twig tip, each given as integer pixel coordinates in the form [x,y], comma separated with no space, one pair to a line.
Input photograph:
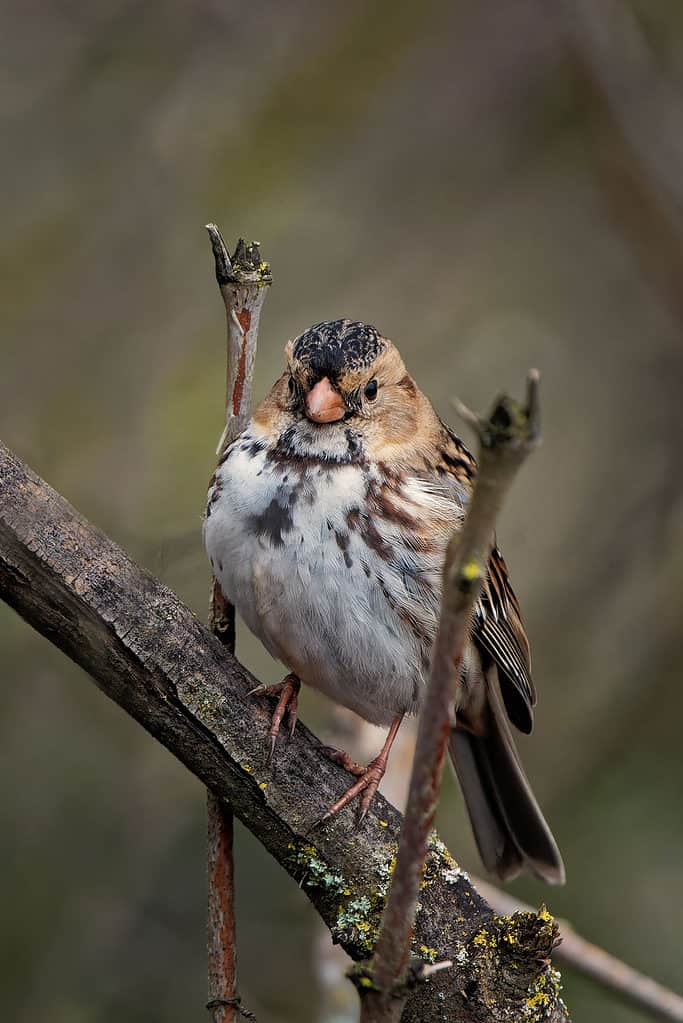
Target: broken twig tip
[221,257]
[429,969]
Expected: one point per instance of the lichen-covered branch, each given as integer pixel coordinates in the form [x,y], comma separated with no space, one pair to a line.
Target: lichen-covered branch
[631,985]
[150,654]
[505,439]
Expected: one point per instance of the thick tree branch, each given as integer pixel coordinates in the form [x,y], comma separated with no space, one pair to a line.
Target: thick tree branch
[150,654]
[505,439]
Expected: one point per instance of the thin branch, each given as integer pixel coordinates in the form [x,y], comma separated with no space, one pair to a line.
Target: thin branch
[505,440]
[242,281]
[150,654]
[220,921]
[631,985]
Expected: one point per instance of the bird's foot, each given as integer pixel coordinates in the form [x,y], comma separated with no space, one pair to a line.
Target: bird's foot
[368,777]
[368,780]
[287,693]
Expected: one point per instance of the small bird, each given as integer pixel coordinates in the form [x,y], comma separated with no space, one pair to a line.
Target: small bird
[326,526]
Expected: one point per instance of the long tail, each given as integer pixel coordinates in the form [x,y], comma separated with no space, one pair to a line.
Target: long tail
[509,828]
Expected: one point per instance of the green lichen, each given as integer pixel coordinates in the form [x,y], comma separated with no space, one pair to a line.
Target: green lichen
[355,914]
[314,872]
[356,924]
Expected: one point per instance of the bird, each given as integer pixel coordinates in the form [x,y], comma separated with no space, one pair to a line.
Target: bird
[326,526]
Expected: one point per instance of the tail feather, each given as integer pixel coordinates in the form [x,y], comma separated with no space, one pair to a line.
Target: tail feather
[509,827]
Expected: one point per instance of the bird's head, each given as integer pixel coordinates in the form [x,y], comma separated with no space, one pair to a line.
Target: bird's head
[345,389]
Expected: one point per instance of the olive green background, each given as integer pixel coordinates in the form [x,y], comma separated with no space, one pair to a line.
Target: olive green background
[450,173]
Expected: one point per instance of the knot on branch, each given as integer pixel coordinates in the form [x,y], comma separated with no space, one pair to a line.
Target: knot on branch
[231,1003]
[511,962]
[419,971]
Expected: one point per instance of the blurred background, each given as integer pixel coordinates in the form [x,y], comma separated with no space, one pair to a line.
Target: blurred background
[495,185]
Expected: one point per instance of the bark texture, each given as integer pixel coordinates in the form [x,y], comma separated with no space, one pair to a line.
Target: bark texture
[150,654]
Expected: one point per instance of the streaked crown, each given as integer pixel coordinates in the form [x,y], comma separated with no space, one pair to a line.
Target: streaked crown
[336,347]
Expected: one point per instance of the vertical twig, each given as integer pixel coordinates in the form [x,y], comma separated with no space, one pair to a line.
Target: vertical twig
[242,281]
[221,950]
[505,439]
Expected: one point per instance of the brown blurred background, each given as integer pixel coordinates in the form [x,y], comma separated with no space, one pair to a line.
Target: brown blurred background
[495,185]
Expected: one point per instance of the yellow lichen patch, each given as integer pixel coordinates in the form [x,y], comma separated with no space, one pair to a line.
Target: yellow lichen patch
[263,786]
[484,939]
[471,570]
[537,1000]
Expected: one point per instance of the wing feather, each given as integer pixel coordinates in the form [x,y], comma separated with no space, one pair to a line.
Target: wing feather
[498,630]
[497,622]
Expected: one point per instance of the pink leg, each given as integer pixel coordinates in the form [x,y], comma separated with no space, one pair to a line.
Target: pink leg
[369,777]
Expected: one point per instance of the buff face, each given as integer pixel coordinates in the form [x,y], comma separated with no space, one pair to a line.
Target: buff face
[348,379]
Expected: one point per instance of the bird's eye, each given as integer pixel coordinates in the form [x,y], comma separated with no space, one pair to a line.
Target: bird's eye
[371,389]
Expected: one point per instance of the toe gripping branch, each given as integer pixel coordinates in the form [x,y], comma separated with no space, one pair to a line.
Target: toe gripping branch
[287,692]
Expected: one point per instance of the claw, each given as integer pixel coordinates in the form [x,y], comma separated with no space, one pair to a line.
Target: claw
[287,692]
[271,750]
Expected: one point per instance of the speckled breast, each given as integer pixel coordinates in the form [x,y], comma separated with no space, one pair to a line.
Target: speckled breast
[330,589]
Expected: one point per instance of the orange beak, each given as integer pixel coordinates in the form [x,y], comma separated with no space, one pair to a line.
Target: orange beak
[324,404]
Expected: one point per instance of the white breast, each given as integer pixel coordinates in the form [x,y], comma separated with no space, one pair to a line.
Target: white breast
[310,587]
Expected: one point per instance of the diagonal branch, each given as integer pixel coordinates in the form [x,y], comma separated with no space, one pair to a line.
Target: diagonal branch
[505,440]
[150,654]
